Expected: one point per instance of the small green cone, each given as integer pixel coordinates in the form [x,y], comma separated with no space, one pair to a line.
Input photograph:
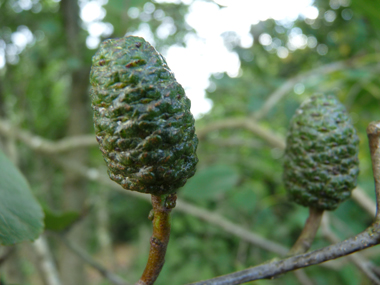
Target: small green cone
[321,157]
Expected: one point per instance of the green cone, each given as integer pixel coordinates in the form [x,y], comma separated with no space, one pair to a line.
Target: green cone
[321,156]
[142,117]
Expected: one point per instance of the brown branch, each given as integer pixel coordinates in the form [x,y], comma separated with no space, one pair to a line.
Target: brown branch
[162,206]
[308,233]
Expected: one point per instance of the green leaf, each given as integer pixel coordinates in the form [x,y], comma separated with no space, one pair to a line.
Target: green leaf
[59,221]
[21,217]
[244,198]
[210,182]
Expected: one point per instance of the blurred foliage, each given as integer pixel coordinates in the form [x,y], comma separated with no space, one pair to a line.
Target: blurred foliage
[59,221]
[239,181]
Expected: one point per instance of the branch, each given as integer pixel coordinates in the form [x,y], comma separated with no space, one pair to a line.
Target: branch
[113,278]
[357,259]
[288,85]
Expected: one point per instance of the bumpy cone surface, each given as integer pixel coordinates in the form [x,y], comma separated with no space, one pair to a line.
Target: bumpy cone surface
[142,117]
[321,157]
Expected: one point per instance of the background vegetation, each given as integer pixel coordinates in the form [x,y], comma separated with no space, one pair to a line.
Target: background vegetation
[234,212]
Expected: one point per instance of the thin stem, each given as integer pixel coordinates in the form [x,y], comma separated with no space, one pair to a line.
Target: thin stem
[162,206]
[373,132]
[308,233]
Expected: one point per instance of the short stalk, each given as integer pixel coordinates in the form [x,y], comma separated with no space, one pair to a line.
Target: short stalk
[308,233]
[160,215]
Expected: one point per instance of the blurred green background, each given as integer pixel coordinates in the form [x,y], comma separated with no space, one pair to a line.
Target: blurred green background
[45,57]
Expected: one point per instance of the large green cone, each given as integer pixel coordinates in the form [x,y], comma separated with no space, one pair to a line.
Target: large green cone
[142,118]
[321,157]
